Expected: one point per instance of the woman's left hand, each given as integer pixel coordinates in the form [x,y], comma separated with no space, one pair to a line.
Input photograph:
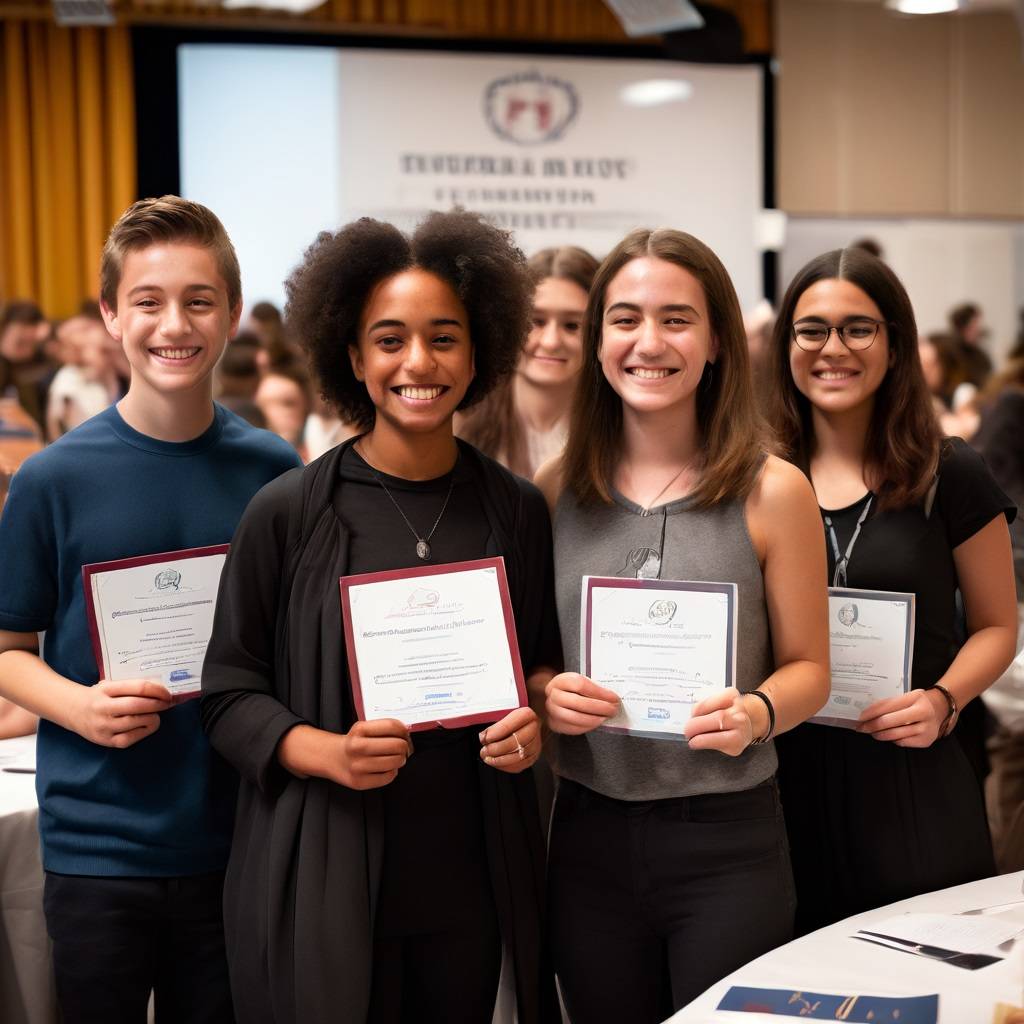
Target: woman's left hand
[513,743]
[720,722]
[911,720]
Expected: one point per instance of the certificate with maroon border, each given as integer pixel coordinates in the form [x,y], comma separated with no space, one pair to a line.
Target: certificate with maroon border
[150,617]
[433,646]
[661,645]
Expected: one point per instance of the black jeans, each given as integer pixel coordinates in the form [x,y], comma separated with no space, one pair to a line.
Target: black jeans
[117,939]
[445,977]
[653,902]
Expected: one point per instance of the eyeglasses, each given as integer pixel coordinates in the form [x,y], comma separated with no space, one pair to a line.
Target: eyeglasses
[856,335]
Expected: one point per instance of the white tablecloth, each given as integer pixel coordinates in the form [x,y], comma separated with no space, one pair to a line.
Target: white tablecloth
[829,961]
[26,979]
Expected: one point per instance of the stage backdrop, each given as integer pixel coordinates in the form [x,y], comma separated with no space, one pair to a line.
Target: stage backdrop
[283,142]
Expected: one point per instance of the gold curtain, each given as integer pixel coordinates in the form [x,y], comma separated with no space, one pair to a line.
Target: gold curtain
[67,157]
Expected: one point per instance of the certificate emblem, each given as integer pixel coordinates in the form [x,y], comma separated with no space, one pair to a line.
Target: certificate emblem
[848,614]
[422,598]
[167,579]
[661,613]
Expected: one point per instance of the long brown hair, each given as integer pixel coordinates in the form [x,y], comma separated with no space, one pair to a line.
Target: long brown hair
[493,426]
[732,432]
[903,443]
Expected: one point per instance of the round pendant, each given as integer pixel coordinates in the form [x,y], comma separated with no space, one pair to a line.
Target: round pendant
[423,549]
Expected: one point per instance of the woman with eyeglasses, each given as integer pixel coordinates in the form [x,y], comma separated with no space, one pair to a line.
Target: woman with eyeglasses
[667,862]
[890,808]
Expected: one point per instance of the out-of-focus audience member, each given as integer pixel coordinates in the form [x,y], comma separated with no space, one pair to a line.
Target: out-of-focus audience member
[24,369]
[277,350]
[525,421]
[265,322]
[1017,352]
[88,382]
[1000,438]
[941,369]
[238,378]
[324,429]
[871,245]
[283,397]
[967,325]
[757,325]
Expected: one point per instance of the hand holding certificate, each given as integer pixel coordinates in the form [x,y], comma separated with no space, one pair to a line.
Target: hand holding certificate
[662,646]
[872,646]
[433,646]
[151,617]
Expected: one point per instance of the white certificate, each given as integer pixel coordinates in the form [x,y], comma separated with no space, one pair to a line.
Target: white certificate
[872,643]
[151,617]
[433,646]
[661,645]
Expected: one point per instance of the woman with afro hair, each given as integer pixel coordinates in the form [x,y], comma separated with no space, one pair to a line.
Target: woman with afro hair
[373,878]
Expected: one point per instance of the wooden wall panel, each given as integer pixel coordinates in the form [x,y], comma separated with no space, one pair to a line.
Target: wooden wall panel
[988,114]
[915,116]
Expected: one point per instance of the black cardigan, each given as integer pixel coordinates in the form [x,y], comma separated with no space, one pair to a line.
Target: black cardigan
[306,855]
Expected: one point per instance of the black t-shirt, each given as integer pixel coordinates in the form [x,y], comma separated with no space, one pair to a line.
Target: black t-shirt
[435,870]
[906,550]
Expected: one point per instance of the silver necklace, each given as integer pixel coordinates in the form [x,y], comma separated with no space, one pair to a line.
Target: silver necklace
[646,510]
[422,543]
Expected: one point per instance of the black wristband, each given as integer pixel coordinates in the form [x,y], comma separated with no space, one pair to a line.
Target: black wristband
[946,725]
[771,716]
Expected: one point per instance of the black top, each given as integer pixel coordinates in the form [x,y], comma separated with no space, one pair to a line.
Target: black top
[870,822]
[433,823]
[304,881]
[909,551]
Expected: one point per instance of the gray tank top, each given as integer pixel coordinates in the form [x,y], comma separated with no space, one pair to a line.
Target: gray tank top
[712,545]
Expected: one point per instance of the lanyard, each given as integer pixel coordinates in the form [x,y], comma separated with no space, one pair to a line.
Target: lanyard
[842,561]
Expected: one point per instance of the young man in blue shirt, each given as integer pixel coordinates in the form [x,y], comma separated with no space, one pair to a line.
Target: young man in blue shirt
[135,810]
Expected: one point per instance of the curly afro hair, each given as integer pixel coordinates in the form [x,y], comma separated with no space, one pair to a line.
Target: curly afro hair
[328,291]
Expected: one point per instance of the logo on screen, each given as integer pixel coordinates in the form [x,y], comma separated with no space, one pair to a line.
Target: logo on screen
[531,108]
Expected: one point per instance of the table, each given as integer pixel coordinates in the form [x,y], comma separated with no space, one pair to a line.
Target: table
[27,993]
[830,961]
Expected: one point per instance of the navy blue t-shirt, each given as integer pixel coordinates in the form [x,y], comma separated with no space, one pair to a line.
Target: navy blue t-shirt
[164,806]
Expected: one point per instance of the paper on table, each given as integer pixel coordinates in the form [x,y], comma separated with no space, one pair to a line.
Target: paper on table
[949,931]
[18,753]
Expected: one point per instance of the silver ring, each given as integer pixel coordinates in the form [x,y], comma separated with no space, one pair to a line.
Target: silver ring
[520,749]
[721,727]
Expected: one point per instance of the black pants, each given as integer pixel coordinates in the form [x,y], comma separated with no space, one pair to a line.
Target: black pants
[117,939]
[445,977]
[652,903]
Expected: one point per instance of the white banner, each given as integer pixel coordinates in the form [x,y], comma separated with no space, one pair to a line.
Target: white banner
[285,141]
[559,150]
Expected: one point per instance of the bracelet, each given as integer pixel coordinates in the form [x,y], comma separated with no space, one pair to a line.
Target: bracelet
[771,716]
[947,724]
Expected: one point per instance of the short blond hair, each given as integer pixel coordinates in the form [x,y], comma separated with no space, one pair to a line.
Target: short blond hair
[167,219]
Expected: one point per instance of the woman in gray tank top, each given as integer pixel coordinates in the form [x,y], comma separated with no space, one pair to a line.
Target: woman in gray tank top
[668,862]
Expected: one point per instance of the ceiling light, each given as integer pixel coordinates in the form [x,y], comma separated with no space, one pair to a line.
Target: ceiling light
[653,91]
[924,6]
[290,6]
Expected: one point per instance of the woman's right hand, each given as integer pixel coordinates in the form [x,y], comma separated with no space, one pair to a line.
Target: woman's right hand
[576,704]
[368,756]
[372,753]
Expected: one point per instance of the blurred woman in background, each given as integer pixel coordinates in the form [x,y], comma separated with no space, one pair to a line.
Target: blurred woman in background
[526,421]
